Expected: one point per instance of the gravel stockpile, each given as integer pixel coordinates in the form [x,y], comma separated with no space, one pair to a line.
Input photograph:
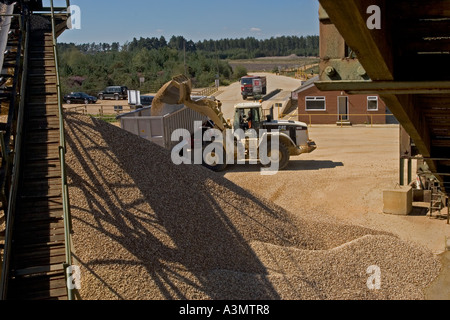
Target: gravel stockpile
[145,228]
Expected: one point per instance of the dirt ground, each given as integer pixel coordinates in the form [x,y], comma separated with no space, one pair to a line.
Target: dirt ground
[345,178]
[231,95]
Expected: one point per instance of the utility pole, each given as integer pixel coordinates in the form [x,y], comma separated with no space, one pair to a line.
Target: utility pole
[218,69]
[184,50]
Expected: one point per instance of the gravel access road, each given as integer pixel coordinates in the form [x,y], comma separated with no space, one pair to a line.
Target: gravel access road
[231,95]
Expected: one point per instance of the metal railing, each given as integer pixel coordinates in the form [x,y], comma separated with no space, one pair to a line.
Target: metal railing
[100,110]
[17,158]
[14,87]
[340,118]
[107,113]
[53,8]
[10,213]
[208,91]
[62,152]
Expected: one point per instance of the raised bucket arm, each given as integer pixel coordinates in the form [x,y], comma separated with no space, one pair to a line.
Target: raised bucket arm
[178,91]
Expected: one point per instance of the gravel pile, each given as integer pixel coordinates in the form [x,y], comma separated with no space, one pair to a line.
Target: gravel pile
[147,229]
[40,23]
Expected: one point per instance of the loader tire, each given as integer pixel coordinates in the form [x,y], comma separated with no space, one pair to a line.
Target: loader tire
[209,163]
[283,154]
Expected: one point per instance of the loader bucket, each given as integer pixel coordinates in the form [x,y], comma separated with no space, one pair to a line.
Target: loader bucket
[173,92]
[178,91]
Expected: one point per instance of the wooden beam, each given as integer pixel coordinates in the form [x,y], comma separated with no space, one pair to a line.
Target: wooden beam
[386,87]
[431,45]
[411,66]
[331,45]
[429,9]
[419,29]
[372,47]
[410,117]
[435,102]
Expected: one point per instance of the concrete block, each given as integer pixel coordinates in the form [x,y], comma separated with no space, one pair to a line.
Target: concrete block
[398,200]
[421,195]
[426,195]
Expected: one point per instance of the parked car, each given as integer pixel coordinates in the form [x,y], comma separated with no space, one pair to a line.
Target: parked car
[79,97]
[146,101]
[114,92]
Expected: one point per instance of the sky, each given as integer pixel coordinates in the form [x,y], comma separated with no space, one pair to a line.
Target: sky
[120,21]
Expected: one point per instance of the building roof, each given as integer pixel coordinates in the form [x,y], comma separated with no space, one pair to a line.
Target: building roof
[307,84]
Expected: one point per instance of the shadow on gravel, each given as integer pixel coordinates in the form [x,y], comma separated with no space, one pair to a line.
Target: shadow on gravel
[185,228]
[295,165]
[145,228]
[419,211]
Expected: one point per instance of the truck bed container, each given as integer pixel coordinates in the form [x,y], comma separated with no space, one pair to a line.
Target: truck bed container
[159,129]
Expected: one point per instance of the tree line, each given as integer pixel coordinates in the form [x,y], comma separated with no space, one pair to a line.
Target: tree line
[92,66]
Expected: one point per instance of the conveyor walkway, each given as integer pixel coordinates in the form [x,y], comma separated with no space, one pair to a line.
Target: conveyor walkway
[37,246]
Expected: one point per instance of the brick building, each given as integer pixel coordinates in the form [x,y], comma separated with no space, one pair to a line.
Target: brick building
[332,107]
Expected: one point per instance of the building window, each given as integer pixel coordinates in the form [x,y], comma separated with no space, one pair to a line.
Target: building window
[372,103]
[315,104]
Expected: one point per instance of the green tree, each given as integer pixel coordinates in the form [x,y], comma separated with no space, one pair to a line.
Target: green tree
[240,72]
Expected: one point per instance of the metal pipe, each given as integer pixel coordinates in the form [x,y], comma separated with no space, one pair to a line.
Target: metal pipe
[432,173]
[55,14]
[402,173]
[3,146]
[425,158]
[409,171]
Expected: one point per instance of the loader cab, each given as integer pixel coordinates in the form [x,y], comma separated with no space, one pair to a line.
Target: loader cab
[248,116]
